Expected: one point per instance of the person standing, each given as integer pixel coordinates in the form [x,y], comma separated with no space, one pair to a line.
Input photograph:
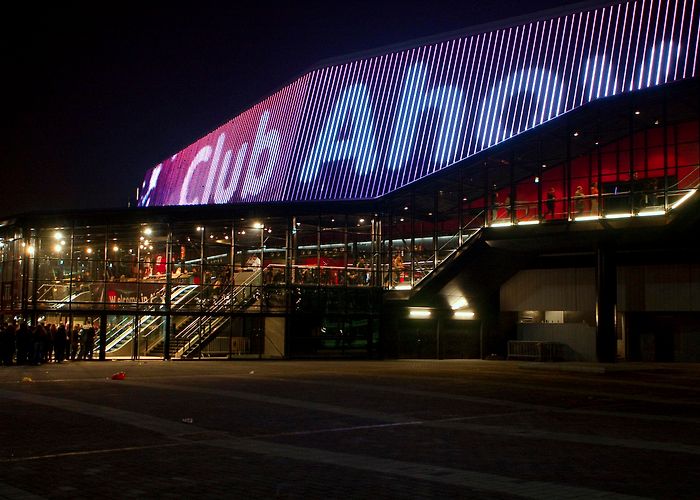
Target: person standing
[59,343]
[594,198]
[551,198]
[75,342]
[90,347]
[579,201]
[398,267]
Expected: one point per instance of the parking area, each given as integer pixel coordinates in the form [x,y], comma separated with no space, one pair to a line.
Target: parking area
[349,429]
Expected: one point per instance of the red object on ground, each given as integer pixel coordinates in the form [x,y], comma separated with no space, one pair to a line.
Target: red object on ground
[119,376]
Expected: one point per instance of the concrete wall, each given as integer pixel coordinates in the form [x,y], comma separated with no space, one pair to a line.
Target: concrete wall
[274,337]
[578,338]
[664,287]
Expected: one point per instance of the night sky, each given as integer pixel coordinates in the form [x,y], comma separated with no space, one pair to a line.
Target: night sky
[95,99]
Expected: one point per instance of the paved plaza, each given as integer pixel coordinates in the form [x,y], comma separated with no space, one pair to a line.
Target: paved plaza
[349,429]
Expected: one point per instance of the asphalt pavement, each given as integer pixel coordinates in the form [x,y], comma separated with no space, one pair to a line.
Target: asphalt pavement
[349,429]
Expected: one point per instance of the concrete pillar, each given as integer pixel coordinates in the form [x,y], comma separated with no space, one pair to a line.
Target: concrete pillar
[606,305]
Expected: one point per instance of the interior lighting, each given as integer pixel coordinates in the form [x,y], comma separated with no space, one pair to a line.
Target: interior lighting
[258,225]
[528,222]
[463,315]
[115,248]
[637,112]
[403,286]
[586,217]
[58,235]
[459,303]
[651,213]
[537,180]
[401,219]
[684,199]
[502,224]
[88,250]
[199,228]
[362,221]
[618,216]
[63,242]
[419,313]
[57,248]
[575,134]
[142,238]
[405,208]
[147,231]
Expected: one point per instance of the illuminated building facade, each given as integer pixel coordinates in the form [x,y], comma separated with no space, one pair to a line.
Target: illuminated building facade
[532,181]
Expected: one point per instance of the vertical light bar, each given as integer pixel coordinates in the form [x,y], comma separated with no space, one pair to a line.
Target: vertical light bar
[469,94]
[462,106]
[680,37]
[629,49]
[391,89]
[445,145]
[508,87]
[312,121]
[408,79]
[477,94]
[311,104]
[670,48]
[527,81]
[420,148]
[495,120]
[691,20]
[344,167]
[604,57]
[325,96]
[394,118]
[573,81]
[644,50]
[514,95]
[368,156]
[417,95]
[548,65]
[380,68]
[612,51]
[662,44]
[636,48]
[537,96]
[485,108]
[332,109]
[652,58]
[566,60]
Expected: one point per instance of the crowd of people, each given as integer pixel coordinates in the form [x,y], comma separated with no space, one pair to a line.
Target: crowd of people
[23,344]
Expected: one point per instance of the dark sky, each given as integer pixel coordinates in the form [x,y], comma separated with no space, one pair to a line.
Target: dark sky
[98,96]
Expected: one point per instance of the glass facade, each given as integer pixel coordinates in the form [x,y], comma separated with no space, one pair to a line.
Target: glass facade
[312,280]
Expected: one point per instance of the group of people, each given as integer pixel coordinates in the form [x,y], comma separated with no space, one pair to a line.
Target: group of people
[45,343]
[580,199]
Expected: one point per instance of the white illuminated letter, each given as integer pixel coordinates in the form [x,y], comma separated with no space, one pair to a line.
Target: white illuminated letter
[152,182]
[346,135]
[224,191]
[202,156]
[213,168]
[263,140]
[415,101]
